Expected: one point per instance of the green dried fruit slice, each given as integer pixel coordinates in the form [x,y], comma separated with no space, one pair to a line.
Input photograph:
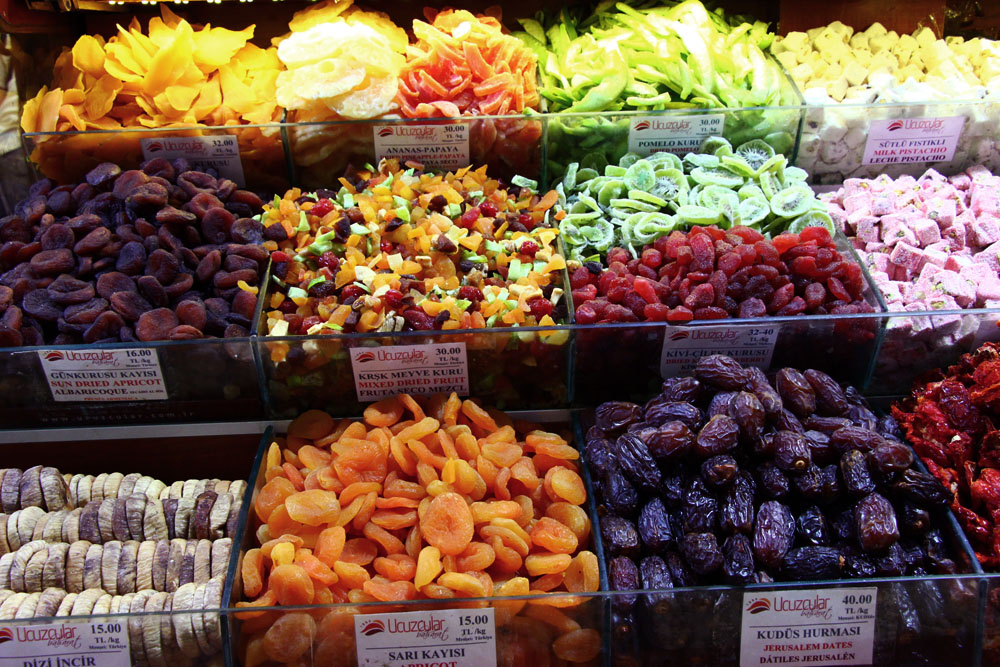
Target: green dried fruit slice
[640,176]
[717,146]
[716,176]
[812,219]
[756,152]
[792,202]
[698,215]
[753,210]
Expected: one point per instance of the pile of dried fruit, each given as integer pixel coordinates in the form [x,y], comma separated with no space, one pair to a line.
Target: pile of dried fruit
[153,254]
[711,273]
[425,499]
[950,421]
[402,250]
[177,75]
[77,545]
[727,478]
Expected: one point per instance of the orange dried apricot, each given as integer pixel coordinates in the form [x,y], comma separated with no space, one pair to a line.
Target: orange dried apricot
[357,489]
[291,585]
[583,574]
[351,574]
[448,524]
[313,508]
[271,495]
[477,557]
[414,541]
[252,571]
[317,570]
[380,536]
[390,591]
[411,404]
[365,512]
[394,519]
[565,484]
[396,567]
[312,425]
[294,475]
[385,412]
[554,536]
[359,550]
[330,544]
[484,512]
[478,416]
[542,563]
[364,461]
[572,516]
[550,444]
[580,645]
[313,458]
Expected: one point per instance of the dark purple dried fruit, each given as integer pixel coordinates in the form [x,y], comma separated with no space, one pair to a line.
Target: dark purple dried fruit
[791,452]
[748,413]
[830,398]
[700,508]
[619,494]
[719,405]
[105,326]
[57,236]
[736,513]
[826,424]
[702,553]
[681,389]
[855,437]
[666,411]
[85,313]
[103,174]
[151,289]
[921,489]
[163,266]
[131,259]
[718,436]
[891,457]
[913,521]
[679,570]
[67,290]
[721,371]
[129,305]
[39,305]
[811,528]
[53,262]
[635,460]
[671,441]
[615,416]
[109,283]
[796,392]
[654,527]
[774,533]
[875,523]
[784,420]
[655,576]
[772,482]
[854,471]
[718,472]
[93,241]
[812,563]
[819,447]
[738,565]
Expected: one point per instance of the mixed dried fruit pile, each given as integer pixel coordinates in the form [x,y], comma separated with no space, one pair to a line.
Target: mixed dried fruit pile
[80,545]
[161,253]
[433,499]
[726,477]
[711,273]
[403,250]
[950,421]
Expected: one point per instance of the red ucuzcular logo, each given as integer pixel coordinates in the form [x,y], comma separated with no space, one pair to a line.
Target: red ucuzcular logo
[366,356]
[54,355]
[372,628]
[385,132]
[154,147]
[680,335]
[759,605]
[642,125]
[895,125]
[6,635]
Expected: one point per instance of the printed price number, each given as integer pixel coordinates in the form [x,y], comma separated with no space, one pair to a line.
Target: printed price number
[481,619]
[445,349]
[105,628]
[225,141]
[712,122]
[857,599]
[453,128]
[753,331]
[138,354]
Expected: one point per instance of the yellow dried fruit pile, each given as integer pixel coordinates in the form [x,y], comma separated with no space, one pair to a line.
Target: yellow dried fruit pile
[178,74]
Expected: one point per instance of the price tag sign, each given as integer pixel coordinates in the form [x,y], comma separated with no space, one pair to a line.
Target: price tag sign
[131,374]
[827,626]
[415,369]
[443,638]
[440,146]
[907,140]
[220,152]
[684,346]
[69,644]
[672,134]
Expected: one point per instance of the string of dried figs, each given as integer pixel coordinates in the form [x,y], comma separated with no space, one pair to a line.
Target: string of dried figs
[158,253]
[426,498]
[115,567]
[728,477]
[155,638]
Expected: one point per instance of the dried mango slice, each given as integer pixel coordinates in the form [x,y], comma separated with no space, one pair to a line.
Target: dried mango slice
[214,47]
[88,56]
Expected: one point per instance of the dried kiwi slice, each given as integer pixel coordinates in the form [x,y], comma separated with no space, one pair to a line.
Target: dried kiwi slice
[717,146]
[640,176]
[812,219]
[792,202]
[698,215]
[756,152]
[753,210]
[717,176]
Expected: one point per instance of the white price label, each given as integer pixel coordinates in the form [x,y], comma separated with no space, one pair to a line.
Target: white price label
[220,152]
[69,644]
[827,626]
[672,134]
[440,146]
[906,140]
[442,638]
[684,346]
[130,374]
[414,369]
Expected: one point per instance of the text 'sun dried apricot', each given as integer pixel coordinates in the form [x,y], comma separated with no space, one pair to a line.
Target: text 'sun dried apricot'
[427,498]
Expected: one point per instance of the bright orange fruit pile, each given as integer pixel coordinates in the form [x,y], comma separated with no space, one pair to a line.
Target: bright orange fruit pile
[426,498]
